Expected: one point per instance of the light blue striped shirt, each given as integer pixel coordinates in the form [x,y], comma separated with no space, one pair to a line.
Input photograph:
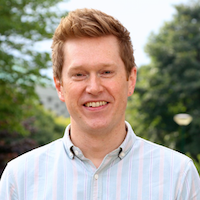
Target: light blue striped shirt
[138,169]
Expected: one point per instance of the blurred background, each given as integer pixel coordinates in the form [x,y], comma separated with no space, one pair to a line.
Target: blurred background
[166,40]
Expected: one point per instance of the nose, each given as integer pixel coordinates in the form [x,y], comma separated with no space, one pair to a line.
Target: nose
[94,85]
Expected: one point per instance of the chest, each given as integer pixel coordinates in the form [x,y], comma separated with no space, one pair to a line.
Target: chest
[122,180]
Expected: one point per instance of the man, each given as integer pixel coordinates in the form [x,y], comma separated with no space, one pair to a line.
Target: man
[99,156]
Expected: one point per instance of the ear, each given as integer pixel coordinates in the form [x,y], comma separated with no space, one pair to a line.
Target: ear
[132,81]
[59,89]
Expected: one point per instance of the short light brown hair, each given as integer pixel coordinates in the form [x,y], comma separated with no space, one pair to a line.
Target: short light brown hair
[90,23]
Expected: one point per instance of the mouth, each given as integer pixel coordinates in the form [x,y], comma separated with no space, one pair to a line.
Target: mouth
[95,104]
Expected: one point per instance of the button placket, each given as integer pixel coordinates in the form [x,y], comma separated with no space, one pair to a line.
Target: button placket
[96,176]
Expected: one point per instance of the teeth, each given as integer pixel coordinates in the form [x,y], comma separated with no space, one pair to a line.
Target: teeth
[95,104]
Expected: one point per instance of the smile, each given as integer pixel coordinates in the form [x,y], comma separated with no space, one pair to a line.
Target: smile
[96,104]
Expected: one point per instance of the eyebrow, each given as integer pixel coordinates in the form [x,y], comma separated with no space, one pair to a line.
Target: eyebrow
[78,67]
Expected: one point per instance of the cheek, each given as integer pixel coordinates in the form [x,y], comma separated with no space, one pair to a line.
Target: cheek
[119,87]
[72,93]
[119,92]
[68,88]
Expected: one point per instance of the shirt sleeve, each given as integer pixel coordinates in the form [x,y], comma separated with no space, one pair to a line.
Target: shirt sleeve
[190,184]
[7,189]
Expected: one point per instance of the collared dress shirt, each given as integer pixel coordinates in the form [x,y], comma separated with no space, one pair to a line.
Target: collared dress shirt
[137,170]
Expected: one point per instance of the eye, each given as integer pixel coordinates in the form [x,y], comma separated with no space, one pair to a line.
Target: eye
[107,73]
[78,76]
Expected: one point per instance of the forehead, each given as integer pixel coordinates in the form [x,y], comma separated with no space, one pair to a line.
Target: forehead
[91,50]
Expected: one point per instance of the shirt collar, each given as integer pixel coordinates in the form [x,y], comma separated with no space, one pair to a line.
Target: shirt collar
[128,142]
[67,142]
[123,149]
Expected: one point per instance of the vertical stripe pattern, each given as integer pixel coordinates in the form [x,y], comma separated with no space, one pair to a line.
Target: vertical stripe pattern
[138,169]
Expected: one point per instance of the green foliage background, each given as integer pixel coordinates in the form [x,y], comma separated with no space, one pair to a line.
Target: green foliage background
[24,124]
[170,84]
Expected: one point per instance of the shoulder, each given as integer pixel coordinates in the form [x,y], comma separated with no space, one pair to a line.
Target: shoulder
[157,150]
[151,152]
[162,158]
[38,154]
[167,162]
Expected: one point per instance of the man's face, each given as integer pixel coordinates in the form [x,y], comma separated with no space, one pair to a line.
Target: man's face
[94,83]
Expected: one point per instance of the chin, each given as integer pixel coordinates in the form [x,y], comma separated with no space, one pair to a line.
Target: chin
[98,124]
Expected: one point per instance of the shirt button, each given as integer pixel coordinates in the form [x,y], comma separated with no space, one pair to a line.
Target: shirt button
[76,152]
[71,154]
[122,154]
[96,176]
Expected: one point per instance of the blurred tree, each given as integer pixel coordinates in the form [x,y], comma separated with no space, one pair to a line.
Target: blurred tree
[170,84]
[24,23]
[43,127]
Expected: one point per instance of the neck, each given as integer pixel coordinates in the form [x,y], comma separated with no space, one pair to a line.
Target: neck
[96,145]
